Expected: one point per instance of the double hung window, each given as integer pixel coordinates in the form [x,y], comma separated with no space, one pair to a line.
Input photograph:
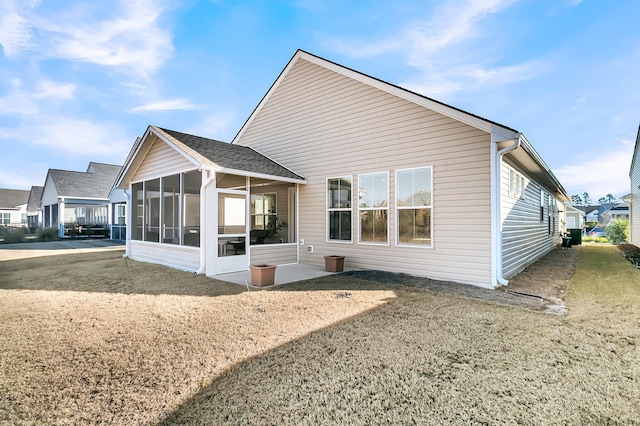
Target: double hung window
[414,206]
[516,184]
[339,208]
[373,207]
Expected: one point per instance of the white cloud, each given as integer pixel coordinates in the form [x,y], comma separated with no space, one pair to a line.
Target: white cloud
[440,49]
[599,173]
[17,103]
[126,35]
[15,34]
[23,102]
[218,125]
[167,105]
[451,25]
[13,179]
[470,77]
[51,89]
[68,136]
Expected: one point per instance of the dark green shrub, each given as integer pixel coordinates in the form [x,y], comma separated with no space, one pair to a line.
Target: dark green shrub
[72,232]
[14,235]
[47,234]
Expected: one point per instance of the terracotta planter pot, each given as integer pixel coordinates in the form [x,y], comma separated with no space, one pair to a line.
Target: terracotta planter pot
[333,263]
[263,275]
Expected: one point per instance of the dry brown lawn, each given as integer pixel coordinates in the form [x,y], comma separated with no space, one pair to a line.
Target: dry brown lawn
[91,338]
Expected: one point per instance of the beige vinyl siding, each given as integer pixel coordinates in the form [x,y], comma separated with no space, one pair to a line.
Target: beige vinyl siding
[161,160]
[634,205]
[524,237]
[274,254]
[322,124]
[179,257]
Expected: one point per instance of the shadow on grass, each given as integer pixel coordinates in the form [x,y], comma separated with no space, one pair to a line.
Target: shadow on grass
[430,358]
[381,280]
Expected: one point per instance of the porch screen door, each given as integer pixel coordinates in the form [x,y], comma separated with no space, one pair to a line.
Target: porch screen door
[232,232]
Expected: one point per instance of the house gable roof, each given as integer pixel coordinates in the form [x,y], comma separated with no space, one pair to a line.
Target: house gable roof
[525,156]
[233,157]
[207,153]
[498,131]
[35,196]
[95,183]
[11,199]
[634,158]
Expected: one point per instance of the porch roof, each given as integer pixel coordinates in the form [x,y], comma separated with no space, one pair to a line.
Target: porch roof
[231,157]
[95,183]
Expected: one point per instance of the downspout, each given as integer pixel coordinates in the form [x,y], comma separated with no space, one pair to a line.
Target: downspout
[203,219]
[496,212]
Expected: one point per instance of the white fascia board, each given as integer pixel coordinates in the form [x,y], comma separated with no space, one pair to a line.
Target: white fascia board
[146,142]
[400,92]
[294,60]
[78,200]
[253,174]
[133,154]
[188,153]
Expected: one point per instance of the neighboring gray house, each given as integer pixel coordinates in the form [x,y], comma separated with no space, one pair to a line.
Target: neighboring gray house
[78,198]
[333,161]
[13,207]
[34,212]
[613,211]
[592,213]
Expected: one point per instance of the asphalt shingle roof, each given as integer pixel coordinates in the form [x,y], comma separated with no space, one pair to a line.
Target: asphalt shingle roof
[96,182]
[12,198]
[35,195]
[234,157]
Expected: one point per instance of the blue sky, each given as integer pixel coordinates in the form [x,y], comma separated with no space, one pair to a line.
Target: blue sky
[80,80]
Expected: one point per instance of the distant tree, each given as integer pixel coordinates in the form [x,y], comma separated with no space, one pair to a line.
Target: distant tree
[610,198]
[576,200]
[585,198]
[602,200]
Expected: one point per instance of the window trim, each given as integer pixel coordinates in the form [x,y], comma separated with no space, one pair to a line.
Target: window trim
[518,191]
[360,209]
[397,215]
[329,209]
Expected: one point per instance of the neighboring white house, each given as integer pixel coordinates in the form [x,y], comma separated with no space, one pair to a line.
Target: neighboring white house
[13,207]
[333,161]
[633,198]
[34,212]
[72,198]
[575,217]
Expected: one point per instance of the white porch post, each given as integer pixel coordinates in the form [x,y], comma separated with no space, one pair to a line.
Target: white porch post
[61,217]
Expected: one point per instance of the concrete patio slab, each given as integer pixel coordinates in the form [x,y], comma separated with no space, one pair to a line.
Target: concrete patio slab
[284,274]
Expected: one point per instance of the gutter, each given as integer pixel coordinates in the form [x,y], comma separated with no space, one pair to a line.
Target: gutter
[496,209]
[203,218]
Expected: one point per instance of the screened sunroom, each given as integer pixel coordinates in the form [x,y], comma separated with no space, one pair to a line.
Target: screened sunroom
[234,209]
